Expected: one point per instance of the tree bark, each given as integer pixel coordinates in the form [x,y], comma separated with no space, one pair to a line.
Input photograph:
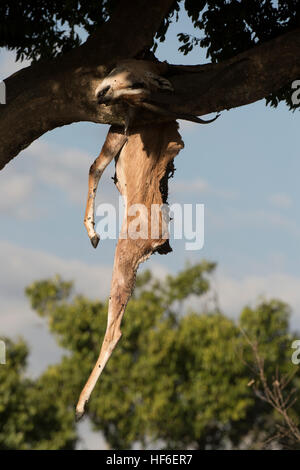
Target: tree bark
[55,93]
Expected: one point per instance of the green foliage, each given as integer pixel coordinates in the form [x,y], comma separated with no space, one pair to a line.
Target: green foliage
[46,293]
[268,325]
[180,378]
[192,281]
[177,377]
[32,415]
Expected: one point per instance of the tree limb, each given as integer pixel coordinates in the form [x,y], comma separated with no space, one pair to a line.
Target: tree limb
[244,79]
[58,92]
[44,96]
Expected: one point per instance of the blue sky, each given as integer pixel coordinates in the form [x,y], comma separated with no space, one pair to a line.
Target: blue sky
[244,168]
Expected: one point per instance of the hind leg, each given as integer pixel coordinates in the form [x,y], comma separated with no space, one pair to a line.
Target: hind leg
[127,258]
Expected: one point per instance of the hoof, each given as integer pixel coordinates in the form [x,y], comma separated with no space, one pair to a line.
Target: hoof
[78,415]
[95,240]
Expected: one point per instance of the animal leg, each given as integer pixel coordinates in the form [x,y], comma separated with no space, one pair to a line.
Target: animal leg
[114,142]
[125,266]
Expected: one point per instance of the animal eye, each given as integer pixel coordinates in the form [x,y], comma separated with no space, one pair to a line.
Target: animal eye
[137,85]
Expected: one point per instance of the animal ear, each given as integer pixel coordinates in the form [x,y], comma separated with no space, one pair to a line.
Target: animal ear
[159,82]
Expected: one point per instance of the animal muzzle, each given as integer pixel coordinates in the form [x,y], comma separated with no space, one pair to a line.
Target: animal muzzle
[102,97]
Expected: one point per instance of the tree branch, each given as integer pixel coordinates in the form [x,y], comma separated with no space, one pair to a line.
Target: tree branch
[244,79]
[45,96]
[51,94]
[275,394]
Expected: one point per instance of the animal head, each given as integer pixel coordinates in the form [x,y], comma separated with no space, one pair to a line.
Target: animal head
[141,83]
[131,81]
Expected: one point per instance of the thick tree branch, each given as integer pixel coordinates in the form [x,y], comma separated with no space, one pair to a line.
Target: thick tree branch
[43,97]
[244,79]
[47,95]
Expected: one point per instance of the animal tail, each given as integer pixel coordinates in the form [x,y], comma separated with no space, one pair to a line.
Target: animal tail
[187,117]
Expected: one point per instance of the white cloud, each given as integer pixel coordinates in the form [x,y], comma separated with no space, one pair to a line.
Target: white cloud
[253,218]
[158,270]
[19,268]
[22,265]
[52,166]
[15,194]
[235,293]
[280,200]
[64,168]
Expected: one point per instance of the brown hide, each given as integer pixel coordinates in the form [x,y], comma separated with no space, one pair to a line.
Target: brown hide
[141,177]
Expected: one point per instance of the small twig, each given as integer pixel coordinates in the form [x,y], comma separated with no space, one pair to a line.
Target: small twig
[275,394]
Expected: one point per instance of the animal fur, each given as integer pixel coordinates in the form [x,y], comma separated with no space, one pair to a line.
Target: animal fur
[144,160]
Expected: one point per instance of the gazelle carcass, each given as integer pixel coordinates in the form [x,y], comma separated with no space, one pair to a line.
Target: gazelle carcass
[144,161]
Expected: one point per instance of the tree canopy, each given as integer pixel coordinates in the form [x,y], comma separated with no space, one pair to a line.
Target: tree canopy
[180,375]
[32,416]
